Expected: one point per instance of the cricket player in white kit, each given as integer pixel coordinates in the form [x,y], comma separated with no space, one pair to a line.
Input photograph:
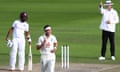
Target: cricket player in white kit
[20,29]
[108,25]
[47,44]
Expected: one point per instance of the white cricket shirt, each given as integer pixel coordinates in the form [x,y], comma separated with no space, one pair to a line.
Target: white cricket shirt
[110,15]
[19,29]
[49,45]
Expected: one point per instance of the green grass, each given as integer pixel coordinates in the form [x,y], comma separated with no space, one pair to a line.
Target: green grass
[74,22]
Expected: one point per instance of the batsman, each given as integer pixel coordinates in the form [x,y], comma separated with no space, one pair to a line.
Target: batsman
[47,43]
[19,29]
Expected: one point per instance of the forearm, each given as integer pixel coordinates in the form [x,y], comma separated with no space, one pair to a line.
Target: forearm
[27,34]
[55,48]
[28,37]
[39,46]
[8,34]
[55,45]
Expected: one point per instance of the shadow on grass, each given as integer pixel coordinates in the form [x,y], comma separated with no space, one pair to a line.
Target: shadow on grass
[4,69]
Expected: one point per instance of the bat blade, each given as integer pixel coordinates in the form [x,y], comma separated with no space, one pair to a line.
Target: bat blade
[30,59]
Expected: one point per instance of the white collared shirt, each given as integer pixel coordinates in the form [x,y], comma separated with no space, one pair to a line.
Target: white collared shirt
[19,29]
[109,15]
[49,45]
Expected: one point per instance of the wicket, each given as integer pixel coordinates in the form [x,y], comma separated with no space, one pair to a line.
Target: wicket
[65,56]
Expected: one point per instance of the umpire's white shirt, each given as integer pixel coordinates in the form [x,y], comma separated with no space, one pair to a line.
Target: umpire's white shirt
[48,46]
[19,29]
[110,15]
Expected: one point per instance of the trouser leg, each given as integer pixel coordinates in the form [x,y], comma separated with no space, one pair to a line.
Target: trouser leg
[104,42]
[21,54]
[43,64]
[51,66]
[112,44]
[13,55]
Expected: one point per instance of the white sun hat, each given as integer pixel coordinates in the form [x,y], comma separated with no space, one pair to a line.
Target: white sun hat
[109,2]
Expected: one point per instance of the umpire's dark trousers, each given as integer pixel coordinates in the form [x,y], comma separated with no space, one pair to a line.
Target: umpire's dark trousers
[105,37]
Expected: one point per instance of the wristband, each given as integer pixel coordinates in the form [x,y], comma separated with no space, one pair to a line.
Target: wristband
[28,36]
[29,40]
[55,47]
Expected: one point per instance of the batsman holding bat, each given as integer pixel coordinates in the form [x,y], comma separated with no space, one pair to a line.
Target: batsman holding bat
[20,29]
[108,25]
[47,44]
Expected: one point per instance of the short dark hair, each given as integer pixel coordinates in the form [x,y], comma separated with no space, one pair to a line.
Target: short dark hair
[46,27]
[23,14]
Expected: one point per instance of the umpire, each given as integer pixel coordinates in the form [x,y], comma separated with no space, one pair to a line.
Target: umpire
[109,20]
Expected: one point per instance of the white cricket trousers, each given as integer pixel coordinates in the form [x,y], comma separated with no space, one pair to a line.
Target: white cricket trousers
[18,48]
[47,63]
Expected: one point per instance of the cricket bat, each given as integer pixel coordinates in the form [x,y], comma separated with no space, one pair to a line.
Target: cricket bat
[30,59]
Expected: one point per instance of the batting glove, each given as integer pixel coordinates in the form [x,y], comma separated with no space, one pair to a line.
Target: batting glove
[9,43]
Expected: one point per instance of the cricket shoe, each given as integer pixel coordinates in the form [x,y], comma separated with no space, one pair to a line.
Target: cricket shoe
[101,58]
[113,58]
[11,70]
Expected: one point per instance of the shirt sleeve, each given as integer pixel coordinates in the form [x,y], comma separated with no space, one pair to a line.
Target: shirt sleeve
[102,10]
[39,42]
[27,27]
[55,40]
[14,23]
[116,18]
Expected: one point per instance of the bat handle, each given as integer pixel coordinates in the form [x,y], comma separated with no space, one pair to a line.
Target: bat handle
[30,51]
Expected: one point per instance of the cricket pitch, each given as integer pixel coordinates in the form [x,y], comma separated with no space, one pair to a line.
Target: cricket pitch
[74,68]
